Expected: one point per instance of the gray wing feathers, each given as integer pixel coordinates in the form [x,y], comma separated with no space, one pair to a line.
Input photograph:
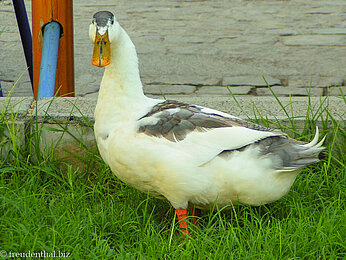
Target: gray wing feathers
[176,120]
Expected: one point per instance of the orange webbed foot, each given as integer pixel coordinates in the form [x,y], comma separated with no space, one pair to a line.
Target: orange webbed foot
[182,215]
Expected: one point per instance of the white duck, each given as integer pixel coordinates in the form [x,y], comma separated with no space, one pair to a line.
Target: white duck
[191,155]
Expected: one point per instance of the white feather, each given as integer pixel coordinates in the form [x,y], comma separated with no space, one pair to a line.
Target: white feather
[204,146]
[213,111]
[320,142]
[314,141]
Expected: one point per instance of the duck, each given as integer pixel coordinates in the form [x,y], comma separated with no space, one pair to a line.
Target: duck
[190,155]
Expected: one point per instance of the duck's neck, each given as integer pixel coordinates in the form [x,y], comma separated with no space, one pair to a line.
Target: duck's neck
[121,82]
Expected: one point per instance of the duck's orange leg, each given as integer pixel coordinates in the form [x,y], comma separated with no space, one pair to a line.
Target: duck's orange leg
[195,213]
[182,215]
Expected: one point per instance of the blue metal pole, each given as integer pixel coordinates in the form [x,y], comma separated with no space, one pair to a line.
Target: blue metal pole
[1,95]
[25,34]
[49,59]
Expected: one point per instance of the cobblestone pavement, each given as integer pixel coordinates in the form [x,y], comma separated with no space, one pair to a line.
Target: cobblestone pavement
[198,47]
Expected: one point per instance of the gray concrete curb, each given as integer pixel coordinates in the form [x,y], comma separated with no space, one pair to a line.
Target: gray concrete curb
[65,124]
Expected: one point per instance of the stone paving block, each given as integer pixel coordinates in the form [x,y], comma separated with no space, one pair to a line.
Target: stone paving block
[286,91]
[199,68]
[21,88]
[250,80]
[149,44]
[336,91]
[217,90]
[284,32]
[185,80]
[317,40]
[322,10]
[91,83]
[316,81]
[329,31]
[262,40]
[189,39]
[190,49]
[168,89]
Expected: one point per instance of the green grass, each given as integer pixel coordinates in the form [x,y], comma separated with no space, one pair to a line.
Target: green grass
[92,215]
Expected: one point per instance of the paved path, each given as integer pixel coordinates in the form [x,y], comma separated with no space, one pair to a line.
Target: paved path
[197,47]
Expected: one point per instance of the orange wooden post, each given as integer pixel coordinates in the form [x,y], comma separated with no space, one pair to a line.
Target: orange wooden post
[61,11]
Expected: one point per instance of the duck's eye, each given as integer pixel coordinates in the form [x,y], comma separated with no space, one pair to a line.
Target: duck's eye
[112,21]
[92,21]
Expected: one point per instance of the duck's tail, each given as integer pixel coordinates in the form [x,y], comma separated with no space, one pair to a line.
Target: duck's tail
[290,155]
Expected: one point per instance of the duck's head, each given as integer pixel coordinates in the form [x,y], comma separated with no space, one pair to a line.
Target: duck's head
[103,31]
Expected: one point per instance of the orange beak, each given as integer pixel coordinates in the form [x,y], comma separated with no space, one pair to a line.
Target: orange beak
[102,50]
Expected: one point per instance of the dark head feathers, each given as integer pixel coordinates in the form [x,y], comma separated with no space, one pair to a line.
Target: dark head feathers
[101,18]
